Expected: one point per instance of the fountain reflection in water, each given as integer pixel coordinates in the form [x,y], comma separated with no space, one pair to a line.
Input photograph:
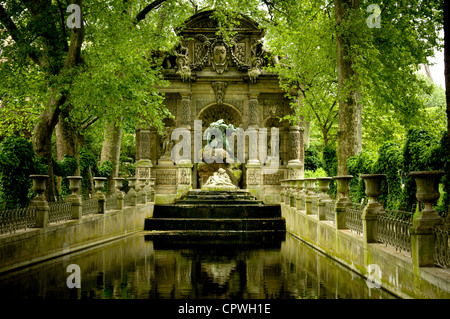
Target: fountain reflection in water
[137,268]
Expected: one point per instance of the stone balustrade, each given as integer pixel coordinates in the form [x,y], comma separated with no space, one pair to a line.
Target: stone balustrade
[40,213]
[420,236]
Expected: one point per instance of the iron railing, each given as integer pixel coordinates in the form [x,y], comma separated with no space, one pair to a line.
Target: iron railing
[353,219]
[442,246]
[393,229]
[90,207]
[59,212]
[314,208]
[12,220]
[330,213]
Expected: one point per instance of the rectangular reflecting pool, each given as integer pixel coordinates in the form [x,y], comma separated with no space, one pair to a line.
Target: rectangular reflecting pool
[152,267]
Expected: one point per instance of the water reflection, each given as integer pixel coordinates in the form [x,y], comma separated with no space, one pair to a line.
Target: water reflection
[139,268]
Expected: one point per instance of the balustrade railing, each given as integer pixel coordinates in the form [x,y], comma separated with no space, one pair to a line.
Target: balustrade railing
[314,208]
[442,246]
[90,207]
[353,219]
[12,220]
[59,212]
[393,229]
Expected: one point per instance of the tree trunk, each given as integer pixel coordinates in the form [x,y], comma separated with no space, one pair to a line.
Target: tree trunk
[111,149]
[349,130]
[447,63]
[42,140]
[67,138]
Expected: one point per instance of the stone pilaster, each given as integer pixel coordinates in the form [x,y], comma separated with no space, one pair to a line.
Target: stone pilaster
[253,178]
[185,118]
[253,111]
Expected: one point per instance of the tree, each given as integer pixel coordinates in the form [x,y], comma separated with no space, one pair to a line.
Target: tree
[98,69]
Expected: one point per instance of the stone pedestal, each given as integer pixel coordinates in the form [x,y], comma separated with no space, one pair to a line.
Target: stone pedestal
[343,201]
[99,185]
[184,177]
[253,178]
[143,168]
[39,202]
[295,166]
[74,198]
[324,187]
[301,194]
[311,186]
[142,193]
[132,194]
[373,208]
[118,184]
[422,237]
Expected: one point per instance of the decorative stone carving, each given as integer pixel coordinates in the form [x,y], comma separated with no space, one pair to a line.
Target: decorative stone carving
[171,105]
[185,110]
[219,90]
[273,179]
[253,177]
[220,58]
[257,56]
[143,172]
[182,61]
[144,144]
[219,179]
[166,177]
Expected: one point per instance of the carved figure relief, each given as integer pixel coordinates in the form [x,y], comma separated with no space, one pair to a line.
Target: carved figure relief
[182,61]
[167,143]
[219,90]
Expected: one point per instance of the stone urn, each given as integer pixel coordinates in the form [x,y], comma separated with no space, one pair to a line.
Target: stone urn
[118,183]
[343,183]
[324,186]
[373,185]
[74,184]
[310,186]
[99,183]
[39,184]
[427,189]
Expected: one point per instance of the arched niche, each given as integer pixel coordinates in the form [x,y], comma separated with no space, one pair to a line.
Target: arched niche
[215,112]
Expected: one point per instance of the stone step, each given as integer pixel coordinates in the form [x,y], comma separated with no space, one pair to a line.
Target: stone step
[218,211]
[222,241]
[224,224]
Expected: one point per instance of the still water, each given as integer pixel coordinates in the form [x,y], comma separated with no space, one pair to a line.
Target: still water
[139,268]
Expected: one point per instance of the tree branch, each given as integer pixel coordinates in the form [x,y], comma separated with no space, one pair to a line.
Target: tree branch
[141,15]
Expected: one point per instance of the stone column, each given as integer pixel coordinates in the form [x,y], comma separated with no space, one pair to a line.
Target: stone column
[422,237]
[373,208]
[295,166]
[343,200]
[144,163]
[39,202]
[74,198]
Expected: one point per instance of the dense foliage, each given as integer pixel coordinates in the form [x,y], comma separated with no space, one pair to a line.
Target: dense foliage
[16,165]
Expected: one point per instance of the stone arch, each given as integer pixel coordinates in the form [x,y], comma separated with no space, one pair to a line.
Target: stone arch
[215,112]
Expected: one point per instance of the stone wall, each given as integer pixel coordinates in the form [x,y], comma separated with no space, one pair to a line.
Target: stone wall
[38,244]
[397,272]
